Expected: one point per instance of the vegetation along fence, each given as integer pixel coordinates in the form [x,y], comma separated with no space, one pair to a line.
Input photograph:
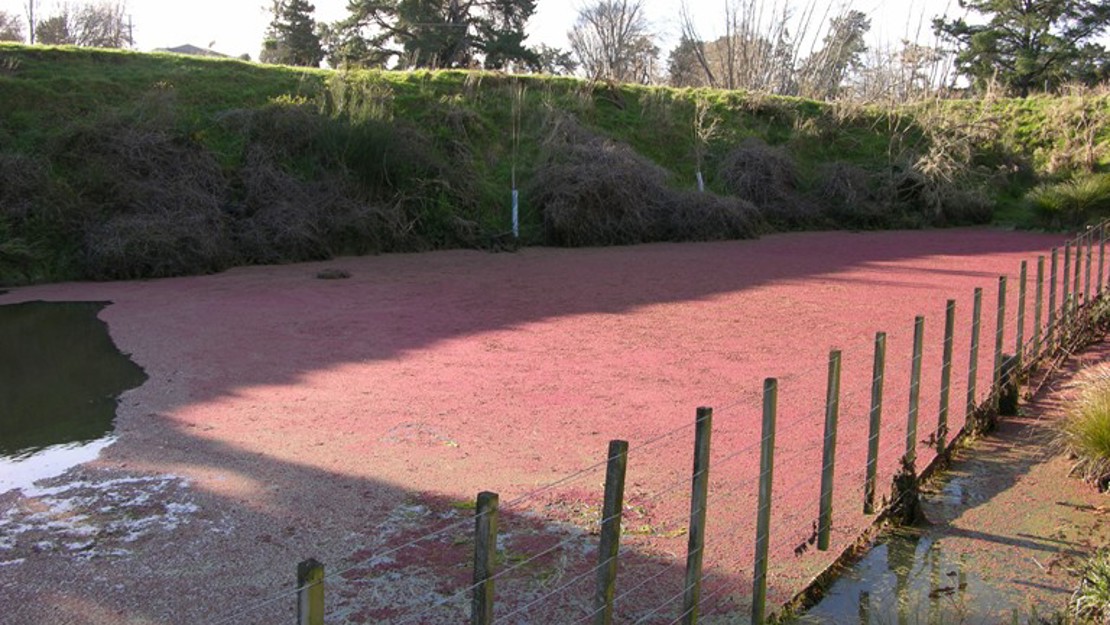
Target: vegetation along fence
[547,573]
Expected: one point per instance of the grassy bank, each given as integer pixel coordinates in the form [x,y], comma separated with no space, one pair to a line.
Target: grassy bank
[124,165]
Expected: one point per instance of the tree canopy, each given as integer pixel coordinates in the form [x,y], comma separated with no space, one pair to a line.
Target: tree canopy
[611,40]
[99,25]
[1030,44]
[406,34]
[11,29]
[291,38]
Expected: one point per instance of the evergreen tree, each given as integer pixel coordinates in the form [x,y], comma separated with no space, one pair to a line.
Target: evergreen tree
[292,38]
[1030,44]
[404,34]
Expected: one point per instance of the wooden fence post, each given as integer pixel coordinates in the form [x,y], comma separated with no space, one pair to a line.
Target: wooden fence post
[1065,298]
[1079,258]
[915,387]
[1101,255]
[310,592]
[609,544]
[485,554]
[695,548]
[1011,383]
[973,359]
[1022,286]
[1087,267]
[763,517]
[1051,332]
[999,335]
[828,456]
[1038,309]
[878,371]
[946,376]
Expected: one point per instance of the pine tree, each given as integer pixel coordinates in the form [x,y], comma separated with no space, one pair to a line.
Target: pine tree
[292,38]
[1032,44]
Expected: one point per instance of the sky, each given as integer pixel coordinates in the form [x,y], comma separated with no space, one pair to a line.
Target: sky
[240,24]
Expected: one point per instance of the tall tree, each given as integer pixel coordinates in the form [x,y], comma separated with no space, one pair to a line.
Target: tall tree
[100,25]
[1030,44]
[292,37]
[11,29]
[612,41]
[432,33]
[823,72]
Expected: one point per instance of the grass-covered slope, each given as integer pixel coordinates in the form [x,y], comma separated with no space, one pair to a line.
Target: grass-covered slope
[121,165]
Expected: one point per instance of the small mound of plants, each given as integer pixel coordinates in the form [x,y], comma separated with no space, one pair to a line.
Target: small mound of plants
[767,177]
[1092,599]
[1086,432]
[594,191]
[1072,202]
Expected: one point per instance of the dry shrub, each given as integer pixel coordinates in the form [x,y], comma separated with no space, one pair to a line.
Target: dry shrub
[846,193]
[151,203]
[697,216]
[155,243]
[22,180]
[927,201]
[767,177]
[281,218]
[761,174]
[594,191]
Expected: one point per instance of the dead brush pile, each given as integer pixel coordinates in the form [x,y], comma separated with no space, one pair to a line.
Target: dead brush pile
[594,191]
[767,176]
[149,202]
[849,197]
[311,187]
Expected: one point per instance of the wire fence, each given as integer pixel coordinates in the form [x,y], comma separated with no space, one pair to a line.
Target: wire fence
[755,521]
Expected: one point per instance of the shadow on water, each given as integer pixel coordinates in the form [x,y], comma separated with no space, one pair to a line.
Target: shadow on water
[908,578]
[60,377]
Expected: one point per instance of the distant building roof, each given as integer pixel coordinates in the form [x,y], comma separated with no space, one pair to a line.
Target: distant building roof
[193,50]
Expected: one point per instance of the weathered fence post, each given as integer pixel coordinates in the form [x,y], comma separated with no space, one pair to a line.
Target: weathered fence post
[1022,286]
[1065,298]
[915,387]
[946,376]
[1087,267]
[695,548]
[1011,382]
[999,335]
[1101,255]
[310,592]
[485,554]
[1078,265]
[763,516]
[1038,309]
[973,359]
[1051,332]
[609,544]
[828,455]
[878,371]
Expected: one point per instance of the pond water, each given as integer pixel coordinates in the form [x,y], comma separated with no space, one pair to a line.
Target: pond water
[60,378]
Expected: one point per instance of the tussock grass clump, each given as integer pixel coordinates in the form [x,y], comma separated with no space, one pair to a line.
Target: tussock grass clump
[1086,432]
[1073,202]
[594,191]
[1092,599]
